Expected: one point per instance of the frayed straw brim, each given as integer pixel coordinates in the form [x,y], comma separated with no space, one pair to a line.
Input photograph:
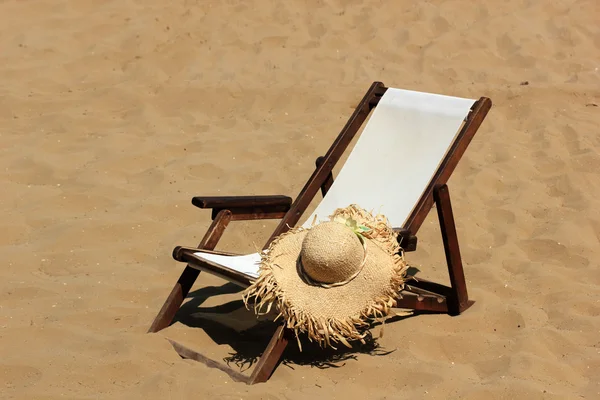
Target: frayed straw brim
[338,314]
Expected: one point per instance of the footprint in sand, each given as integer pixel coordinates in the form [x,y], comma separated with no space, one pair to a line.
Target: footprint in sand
[550,251]
[572,141]
[419,380]
[499,216]
[562,186]
[32,172]
[506,46]
[587,162]
[596,228]
[546,164]
[206,170]
[18,376]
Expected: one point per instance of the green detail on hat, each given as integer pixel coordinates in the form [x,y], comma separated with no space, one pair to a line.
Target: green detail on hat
[352,224]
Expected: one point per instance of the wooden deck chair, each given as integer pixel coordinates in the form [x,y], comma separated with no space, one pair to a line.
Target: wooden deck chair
[416,140]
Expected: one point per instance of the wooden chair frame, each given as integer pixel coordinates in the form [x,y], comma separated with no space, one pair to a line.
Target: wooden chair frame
[418,294]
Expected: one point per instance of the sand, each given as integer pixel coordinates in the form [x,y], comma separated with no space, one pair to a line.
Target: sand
[114,114]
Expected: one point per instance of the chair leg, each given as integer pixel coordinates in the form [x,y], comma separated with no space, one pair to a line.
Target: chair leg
[458,301]
[188,277]
[271,357]
[175,299]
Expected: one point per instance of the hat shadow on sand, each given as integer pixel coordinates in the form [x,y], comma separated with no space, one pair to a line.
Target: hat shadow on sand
[233,325]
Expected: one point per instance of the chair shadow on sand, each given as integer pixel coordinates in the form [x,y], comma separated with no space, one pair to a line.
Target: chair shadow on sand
[234,325]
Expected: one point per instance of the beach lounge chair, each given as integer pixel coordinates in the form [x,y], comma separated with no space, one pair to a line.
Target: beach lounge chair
[415,141]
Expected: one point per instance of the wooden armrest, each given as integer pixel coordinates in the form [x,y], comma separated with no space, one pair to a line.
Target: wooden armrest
[246,207]
[229,202]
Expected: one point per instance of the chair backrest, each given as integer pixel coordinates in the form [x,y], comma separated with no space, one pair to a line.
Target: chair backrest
[397,155]
[404,146]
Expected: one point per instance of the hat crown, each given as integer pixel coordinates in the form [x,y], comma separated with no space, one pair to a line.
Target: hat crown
[331,253]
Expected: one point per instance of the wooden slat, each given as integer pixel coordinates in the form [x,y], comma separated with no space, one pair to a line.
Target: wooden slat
[429,286]
[423,303]
[218,252]
[417,290]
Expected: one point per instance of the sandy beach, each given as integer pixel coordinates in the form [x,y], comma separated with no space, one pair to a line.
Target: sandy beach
[115,114]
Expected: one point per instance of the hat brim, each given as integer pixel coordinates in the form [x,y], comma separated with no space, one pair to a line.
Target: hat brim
[333,314]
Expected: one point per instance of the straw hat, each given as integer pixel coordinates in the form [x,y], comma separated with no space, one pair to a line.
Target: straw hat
[329,280]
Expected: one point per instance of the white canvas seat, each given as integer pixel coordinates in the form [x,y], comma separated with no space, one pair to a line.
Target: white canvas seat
[409,132]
